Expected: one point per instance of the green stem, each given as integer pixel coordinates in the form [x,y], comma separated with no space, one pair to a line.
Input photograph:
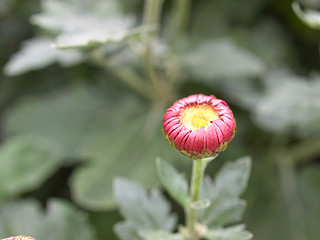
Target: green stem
[196,180]
[181,18]
[152,12]
[151,17]
[124,74]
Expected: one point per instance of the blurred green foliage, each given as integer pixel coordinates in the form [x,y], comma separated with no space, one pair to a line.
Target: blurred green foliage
[85,84]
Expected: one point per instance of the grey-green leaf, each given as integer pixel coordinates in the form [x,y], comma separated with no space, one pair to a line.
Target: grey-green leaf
[224,192]
[143,211]
[81,24]
[61,221]
[117,32]
[232,179]
[38,53]
[126,231]
[25,163]
[160,235]
[286,94]
[127,152]
[231,233]
[69,117]
[221,59]
[174,182]
[60,15]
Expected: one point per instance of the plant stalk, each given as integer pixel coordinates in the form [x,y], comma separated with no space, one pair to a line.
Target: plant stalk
[196,181]
[152,12]
[151,18]
[181,17]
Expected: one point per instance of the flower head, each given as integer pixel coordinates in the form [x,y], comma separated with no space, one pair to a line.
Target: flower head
[199,126]
[20,237]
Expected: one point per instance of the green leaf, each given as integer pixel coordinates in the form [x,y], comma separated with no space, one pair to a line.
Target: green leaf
[231,233]
[61,221]
[224,192]
[126,231]
[80,24]
[69,117]
[58,15]
[128,152]
[160,235]
[111,130]
[309,17]
[174,182]
[221,59]
[143,211]
[112,31]
[25,163]
[289,105]
[38,53]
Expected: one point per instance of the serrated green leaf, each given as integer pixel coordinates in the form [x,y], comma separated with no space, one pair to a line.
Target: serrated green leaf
[126,231]
[221,59]
[38,53]
[224,192]
[174,182]
[150,212]
[232,233]
[233,178]
[160,235]
[60,222]
[25,163]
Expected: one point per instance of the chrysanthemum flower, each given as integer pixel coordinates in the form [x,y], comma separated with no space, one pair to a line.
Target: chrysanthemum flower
[199,126]
[20,237]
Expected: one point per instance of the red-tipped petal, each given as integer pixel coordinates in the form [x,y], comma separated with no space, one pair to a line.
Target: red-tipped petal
[181,138]
[190,142]
[199,141]
[170,114]
[171,125]
[212,139]
[219,133]
[172,135]
[225,129]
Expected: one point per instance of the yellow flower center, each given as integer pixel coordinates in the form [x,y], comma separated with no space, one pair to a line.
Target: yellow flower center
[195,117]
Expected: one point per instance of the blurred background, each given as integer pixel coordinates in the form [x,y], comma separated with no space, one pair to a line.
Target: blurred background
[84,85]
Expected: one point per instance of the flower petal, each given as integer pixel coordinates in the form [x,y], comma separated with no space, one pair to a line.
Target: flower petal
[175,131]
[225,129]
[181,138]
[212,139]
[173,123]
[190,142]
[199,143]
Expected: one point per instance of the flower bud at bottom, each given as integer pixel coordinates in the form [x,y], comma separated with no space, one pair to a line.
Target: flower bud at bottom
[20,237]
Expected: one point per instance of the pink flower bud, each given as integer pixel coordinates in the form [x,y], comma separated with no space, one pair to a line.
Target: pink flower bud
[20,237]
[199,126]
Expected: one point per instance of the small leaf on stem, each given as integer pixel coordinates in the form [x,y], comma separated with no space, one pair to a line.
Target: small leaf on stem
[174,182]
